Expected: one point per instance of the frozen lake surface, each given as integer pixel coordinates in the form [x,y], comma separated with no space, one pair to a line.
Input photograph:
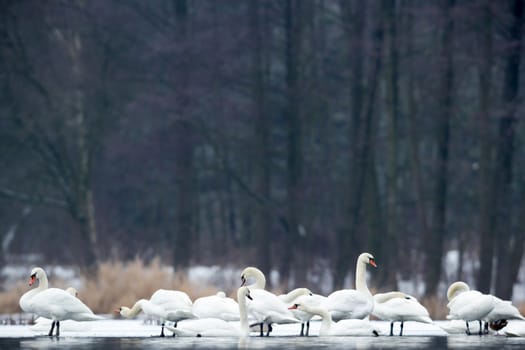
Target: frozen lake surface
[135,334]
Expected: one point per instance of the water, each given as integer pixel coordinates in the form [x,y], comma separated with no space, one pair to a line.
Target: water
[136,334]
[384,342]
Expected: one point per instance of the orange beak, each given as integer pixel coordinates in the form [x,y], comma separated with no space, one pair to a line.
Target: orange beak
[293,307]
[373,262]
[32,280]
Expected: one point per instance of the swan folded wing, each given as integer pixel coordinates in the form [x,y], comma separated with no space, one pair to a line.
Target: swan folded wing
[402,309]
[55,303]
[177,315]
[206,327]
[503,309]
[348,304]
[267,307]
[353,327]
[470,306]
[169,297]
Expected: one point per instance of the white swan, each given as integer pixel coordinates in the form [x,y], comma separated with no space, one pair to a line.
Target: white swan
[216,306]
[468,305]
[55,304]
[290,298]
[353,303]
[398,306]
[342,328]
[166,305]
[266,307]
[214,327]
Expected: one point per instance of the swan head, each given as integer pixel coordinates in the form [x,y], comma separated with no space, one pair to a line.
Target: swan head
[254,272]
[36,274]
[123,311]
[221,294]
[367,258]
[456,288]
[72,291]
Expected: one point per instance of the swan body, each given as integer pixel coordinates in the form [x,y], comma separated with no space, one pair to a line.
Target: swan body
[397,306]
[166,305]
[214,327]
[267,308]
[503,310]
[353,303]
[468,305]
[216,306]
[350,327]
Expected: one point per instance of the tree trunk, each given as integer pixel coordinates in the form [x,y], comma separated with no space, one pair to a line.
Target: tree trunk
[389,251]
[347,234]
[293,240]
[184,146]
[434,243]
[262,225]
[487,191]
[508,240]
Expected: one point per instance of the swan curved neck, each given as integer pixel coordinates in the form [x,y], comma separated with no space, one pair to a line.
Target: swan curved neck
[43,282]
[294,294]
[260,279]
[360,278]
[134,311]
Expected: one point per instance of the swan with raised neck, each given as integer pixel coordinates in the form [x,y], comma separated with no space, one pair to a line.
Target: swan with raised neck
[37,274]
[360,275]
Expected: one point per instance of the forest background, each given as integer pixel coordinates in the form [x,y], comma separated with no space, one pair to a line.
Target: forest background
[286,134]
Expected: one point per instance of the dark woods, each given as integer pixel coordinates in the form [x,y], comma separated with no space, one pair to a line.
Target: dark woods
[285,134]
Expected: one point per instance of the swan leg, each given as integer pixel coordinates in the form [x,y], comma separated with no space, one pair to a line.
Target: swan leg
[58,328]
[302,329]
[486,331]
[392,328]
[174,326]
[269,329]
[261,334]
[401,331]
[307,328]
[162,330]
[52,329]
[480,327]
[468,329]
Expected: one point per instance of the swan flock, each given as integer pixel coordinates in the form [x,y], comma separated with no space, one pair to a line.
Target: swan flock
[344,312]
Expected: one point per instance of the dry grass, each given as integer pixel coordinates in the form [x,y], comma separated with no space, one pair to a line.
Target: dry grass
[122,284]
[437,307]
[116,284]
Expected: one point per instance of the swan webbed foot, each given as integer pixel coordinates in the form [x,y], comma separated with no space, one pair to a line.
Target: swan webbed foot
[162,330]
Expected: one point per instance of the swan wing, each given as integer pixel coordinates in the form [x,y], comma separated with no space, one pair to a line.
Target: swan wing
[57,304]
[348,304]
